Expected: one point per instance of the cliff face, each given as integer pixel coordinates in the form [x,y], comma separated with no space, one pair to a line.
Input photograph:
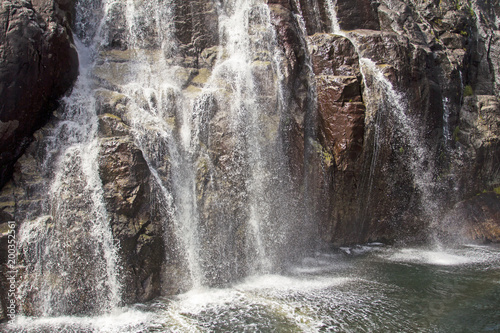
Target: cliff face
[336,122]
[425,134]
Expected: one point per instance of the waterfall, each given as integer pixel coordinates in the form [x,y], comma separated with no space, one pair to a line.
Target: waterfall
[237,42]
[66,244]
[182,183]
[156,105]
[212,135]
[419,156]
[248,66]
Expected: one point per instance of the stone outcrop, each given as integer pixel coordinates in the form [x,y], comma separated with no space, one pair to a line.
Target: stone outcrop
[340,103]
[38,64]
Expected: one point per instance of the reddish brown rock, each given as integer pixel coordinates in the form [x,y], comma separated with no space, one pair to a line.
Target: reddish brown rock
[333,55]
[340,103]
[357,14]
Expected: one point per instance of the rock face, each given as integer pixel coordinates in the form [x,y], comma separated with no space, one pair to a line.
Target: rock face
[341,121]
[475,219]
[418,141]
[356,120]
[38,63]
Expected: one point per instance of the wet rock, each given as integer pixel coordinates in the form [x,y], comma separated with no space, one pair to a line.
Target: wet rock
[341,121]
[340,103]
[350,158]
[38,63]
[475,219]
[315,15]
[111,125]
[137,228]
[477,140]
[357,14]
[296,73]
[196,26]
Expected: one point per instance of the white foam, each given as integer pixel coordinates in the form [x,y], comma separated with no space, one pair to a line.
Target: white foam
[434,257]
[285,283]
[121,320]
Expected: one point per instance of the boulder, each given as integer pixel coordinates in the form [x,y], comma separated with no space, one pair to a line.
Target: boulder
[38,64]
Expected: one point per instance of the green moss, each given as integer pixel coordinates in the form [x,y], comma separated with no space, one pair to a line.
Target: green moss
[202,77]
[468,91]
[464,33]
[110,115]
[326,156]
[317,146]
[7,204]
[193,90]
[497,190]
[471,12]
[456,131]
[170,121]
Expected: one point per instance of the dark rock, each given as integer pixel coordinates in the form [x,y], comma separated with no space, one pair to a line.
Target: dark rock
[341,131]
[340,103]
[296,75]
[357,14]
[284,3]
[137,228]
[315,15]
[196,25]
[333,55]
[477,140]
[475,219]
[38,63]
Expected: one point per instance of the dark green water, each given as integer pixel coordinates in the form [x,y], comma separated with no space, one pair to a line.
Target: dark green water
[372,289]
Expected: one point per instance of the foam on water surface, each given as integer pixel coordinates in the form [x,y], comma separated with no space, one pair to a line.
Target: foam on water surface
[470,254]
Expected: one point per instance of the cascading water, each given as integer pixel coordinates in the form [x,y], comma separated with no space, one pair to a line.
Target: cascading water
[420,158]
[68,231]
[248,69]
[168,119]
[217,242]
[155,101]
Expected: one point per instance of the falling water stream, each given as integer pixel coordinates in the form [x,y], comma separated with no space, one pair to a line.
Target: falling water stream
[393,104]
[53,278]
[370,288]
